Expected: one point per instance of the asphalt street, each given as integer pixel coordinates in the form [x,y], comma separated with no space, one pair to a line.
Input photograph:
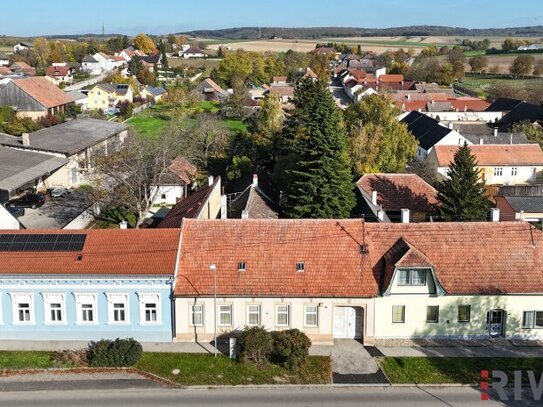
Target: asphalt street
[295,396]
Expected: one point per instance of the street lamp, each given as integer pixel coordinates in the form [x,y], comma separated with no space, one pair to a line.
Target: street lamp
[213,268]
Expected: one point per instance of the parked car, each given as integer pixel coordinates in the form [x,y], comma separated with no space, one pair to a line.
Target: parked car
[15,210]
[59,192]
[30,200]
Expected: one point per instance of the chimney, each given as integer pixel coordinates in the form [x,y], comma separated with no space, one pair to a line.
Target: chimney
[224,205]
[210,180]
[255,180]
[405,215]
[381,215]
[26,139]
[495,214]
[123,225]
[510,138]
[481,141]
[244,214]
[374,197]
[451,126]
[496,132]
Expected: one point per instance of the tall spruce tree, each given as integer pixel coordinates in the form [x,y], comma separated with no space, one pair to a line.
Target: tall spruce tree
[462,195]
[320,182]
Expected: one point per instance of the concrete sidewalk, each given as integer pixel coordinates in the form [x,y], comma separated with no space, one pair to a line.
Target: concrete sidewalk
[492,351]
[174,347]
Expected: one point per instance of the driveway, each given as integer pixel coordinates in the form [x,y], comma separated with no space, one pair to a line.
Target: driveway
[56,212]
[351,363]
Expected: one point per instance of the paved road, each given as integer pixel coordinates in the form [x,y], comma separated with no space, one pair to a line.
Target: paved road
[384,396]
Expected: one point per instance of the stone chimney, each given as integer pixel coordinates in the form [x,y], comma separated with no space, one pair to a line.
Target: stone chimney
[244,214]
[224,205]
[481,141]
[123,225]
[210,180]
[26,139]
[381,215]
[495,214]
[255,180]
[496,132]
[405,215]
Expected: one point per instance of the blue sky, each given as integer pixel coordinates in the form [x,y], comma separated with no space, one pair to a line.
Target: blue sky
[39,17]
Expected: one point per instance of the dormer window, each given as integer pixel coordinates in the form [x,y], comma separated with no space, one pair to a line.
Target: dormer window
[412,277]
[300,267]
[242,266]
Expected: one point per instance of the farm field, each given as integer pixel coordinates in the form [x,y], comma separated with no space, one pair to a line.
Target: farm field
[208,64]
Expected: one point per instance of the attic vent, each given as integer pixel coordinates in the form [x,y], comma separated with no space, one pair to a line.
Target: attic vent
[242,266]
[300,267]
[79,257]
[364,249]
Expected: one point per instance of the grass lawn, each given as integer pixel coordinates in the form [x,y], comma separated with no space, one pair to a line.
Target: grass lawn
[148,126]
[429,370]
[200,369]
[236,125]
[11,360]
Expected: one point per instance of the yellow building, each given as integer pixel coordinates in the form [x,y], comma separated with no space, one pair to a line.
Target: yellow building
[106,95]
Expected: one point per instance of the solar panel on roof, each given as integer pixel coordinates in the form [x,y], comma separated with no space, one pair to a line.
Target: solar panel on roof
[42,243]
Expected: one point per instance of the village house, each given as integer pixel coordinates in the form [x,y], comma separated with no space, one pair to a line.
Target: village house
[59,74]
[79,141]
[106,95]
[34,97]
[252,201]
[22,46]
[22,68]
[175,183]
[91,65]
[4,59]
[209,90]
[381,283]
[154,93]
[87,285]
[499,164]
[396,198]
[193,52]
[520,203]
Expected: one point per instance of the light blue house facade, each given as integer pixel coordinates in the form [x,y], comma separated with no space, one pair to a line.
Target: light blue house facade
[87,285]
[68,308]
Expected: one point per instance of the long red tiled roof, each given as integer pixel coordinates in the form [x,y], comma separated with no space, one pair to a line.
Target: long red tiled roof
[495,154]
[399,191]
[105,252]
[43,91]
[347,258]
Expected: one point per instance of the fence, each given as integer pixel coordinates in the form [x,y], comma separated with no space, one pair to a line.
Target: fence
[463,89]
[488,75]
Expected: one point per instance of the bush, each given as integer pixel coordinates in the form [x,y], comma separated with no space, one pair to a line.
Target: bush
[117,353]
[290,348]
[74,358]
[255,345]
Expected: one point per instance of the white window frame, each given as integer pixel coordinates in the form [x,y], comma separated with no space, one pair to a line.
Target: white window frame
[48,300]
[498,171]
[192,313]
[410,277]
[532,323]
[469,313]
[403,314]
[282,312]
[118,298]
[83,299]
[258,313]
[23,298]
[307,313]
[227,311]
[149,298]
[514,171]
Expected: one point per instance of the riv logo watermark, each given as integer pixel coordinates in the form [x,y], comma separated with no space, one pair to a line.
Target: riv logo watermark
[500,382]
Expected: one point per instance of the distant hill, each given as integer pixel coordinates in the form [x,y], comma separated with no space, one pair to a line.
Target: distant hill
[320,32]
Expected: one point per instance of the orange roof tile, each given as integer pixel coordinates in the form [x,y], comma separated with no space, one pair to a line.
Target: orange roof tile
[105,252]
[344,258]
[495,154]
[43,91]
[399,191]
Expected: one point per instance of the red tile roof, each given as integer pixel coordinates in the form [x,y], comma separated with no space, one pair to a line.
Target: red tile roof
[391,78]
[183,169]
[469,104]
[399,191]
[495,154]
[506,257]
[105,252]
[189,207]
[53,71]
[43,91]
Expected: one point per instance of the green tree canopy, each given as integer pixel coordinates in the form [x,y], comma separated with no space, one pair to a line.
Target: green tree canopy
[320,182]
[462,195]
[377,141]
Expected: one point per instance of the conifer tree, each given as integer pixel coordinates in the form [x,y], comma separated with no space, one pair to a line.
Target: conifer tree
[462,195]
[320,182]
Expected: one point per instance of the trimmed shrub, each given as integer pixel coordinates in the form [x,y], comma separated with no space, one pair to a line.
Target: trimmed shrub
[290,348]
[117,353]
[255,345]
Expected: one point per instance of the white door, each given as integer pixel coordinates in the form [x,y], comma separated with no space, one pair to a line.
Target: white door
[495,322]
[347,322]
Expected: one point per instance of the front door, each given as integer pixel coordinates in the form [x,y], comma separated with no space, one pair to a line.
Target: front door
[495,322]
[347,322]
